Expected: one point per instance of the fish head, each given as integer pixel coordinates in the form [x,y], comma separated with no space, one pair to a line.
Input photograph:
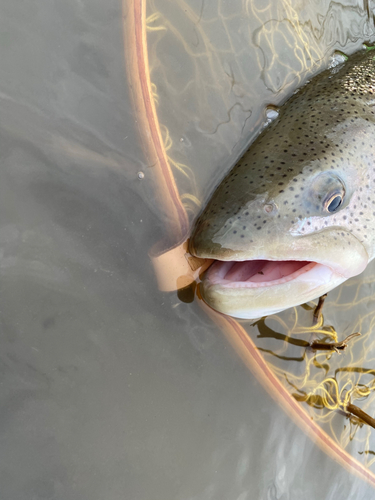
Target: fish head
[287,225]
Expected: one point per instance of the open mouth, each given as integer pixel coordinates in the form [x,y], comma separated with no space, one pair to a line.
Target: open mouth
[256,273]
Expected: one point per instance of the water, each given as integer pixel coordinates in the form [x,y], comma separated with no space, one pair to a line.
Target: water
[110,388]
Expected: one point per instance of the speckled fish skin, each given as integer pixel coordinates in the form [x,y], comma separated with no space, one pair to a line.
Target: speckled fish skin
[273,203]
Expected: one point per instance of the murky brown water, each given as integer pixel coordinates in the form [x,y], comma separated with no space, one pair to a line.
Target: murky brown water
[108,387]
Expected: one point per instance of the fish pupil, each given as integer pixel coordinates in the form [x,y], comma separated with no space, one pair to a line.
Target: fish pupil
[334,204]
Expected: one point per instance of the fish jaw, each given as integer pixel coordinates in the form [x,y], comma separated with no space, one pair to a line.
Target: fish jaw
[251,300]
[253,281]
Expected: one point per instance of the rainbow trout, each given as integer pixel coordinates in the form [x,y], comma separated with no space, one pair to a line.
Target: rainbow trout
[295,217]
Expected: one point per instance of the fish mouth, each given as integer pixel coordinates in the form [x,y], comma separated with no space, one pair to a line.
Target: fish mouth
[250,289]
[254,282]
[256,273]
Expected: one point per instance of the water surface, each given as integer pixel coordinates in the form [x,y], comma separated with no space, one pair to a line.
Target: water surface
[110,388]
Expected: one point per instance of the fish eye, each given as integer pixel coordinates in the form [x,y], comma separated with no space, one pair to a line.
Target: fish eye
[334,202]
[327,194]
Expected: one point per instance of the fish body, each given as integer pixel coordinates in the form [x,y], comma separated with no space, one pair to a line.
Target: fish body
[295,217]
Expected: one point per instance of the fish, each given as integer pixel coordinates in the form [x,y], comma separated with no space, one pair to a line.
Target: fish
[295,217]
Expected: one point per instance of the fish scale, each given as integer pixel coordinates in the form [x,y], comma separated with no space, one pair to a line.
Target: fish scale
[273,205]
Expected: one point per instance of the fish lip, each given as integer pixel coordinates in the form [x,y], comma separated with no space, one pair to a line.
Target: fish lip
[213,275]
[255,302]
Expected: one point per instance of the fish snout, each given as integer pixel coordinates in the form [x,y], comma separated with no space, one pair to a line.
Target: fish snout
[198,238]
